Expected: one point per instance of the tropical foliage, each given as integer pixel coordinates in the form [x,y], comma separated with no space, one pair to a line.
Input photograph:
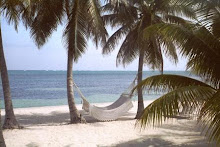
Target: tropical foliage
[131,18]
[82,20]
[11,10]
[199,41]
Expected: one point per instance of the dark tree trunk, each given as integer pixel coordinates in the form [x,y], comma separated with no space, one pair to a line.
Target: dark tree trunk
[2,141]
[162,67]
[161,57]
[140,94]
[10,120]
[75,116]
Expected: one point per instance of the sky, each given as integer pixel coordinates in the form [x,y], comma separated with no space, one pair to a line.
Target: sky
[21,53]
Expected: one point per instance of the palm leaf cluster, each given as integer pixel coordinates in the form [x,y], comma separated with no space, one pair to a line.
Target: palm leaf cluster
[130,18]
[149,29]
[11,11]
[199,45]
[199,42]
[181,92]
[82,20]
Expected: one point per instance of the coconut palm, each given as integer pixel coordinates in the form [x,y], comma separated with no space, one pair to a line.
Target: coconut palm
[82,19]
[200,43]
[131,18]
[2,141]
[10,10]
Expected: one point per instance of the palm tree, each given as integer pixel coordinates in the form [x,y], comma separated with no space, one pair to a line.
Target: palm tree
[2,141]
[200,43]
[11,10]
[82,19]
[131,18]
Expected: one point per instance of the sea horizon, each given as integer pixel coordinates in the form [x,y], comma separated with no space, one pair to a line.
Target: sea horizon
[95,70]
[37,88]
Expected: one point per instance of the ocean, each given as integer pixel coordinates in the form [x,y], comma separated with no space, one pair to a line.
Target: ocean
[48,88]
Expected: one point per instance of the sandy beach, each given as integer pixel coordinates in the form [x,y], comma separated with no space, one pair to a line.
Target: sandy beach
[48,127]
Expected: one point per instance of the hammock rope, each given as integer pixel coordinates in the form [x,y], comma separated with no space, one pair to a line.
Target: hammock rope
[113,111]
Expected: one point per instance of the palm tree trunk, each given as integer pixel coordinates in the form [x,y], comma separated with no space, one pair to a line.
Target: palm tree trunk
[140,94]
[161,57]
[162,67]
[10,120]
[2,141]
[75,116]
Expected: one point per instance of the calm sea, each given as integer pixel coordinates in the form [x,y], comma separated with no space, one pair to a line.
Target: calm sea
[48,88]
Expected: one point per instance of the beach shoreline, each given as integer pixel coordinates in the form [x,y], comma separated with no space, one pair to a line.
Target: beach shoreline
[48,126]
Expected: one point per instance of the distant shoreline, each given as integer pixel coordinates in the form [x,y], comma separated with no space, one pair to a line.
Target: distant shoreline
[107,70]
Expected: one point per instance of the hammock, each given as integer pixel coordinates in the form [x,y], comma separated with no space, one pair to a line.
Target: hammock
[113,111]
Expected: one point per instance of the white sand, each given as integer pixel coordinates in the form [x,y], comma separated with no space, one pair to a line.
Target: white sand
[48,127]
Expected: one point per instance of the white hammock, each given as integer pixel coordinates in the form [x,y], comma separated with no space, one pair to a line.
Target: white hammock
[113,111]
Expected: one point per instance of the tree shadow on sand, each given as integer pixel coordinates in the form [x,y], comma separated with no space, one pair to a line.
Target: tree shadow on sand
[185,134]
[57,118]
[162,141]
[157,141]
[32,144]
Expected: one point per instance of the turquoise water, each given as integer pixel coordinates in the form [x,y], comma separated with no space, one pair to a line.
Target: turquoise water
[48,88]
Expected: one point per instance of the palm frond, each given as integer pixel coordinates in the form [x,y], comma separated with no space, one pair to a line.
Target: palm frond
[203,52]
[216,26]
[115,5]
[210,117]
[11,10]
[96,26]
[129,49]
[166,82]
[197,44]
[170,104]
[114,39]
[153,53]
[119,15]
[174,19]
[75,32]
[111,19]
[182,11]
[207,11]
[45,23]
[169,49]
[29,10]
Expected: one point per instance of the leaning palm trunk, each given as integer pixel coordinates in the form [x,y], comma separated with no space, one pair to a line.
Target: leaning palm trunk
[10,120]
[75,117]
[2,141]
[139,90]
